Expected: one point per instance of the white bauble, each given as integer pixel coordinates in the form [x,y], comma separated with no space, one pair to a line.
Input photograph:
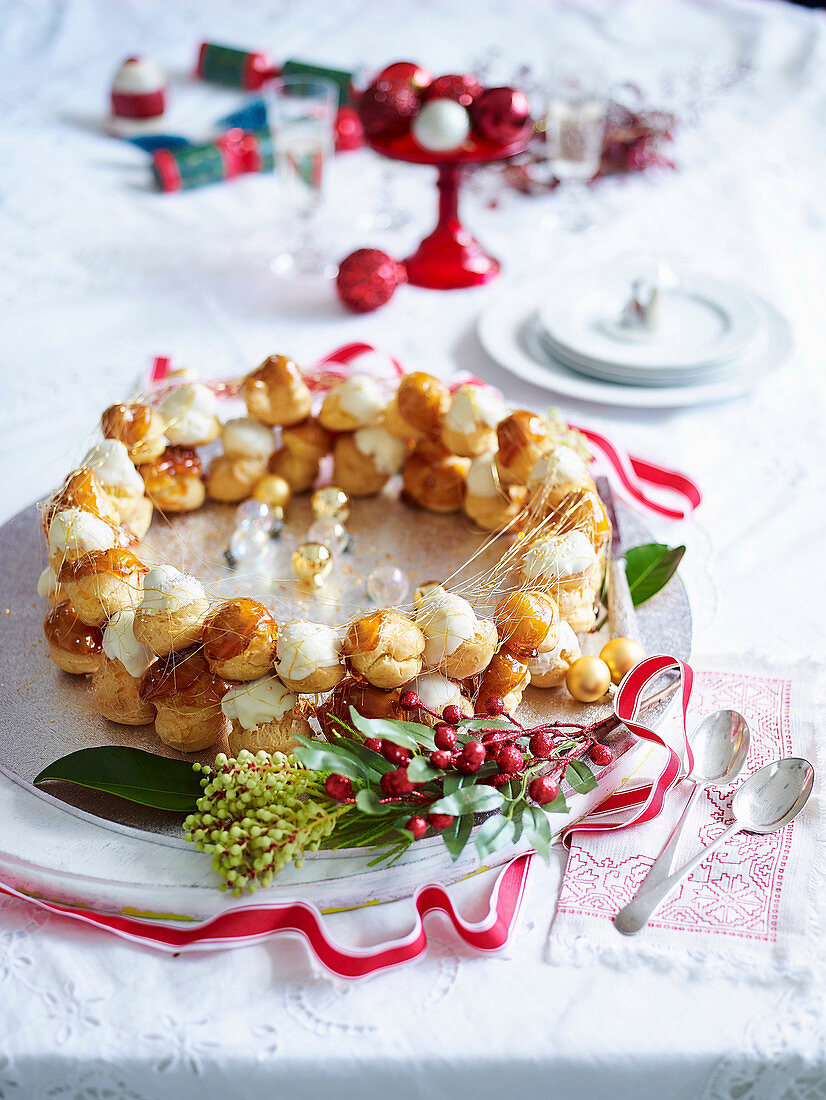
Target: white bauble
[441,125]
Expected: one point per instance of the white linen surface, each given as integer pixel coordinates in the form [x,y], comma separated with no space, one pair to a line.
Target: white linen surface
[99,273]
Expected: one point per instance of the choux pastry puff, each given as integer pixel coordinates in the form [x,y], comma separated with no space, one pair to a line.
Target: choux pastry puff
[436,692]
[548,669]
[264,715]
[173,481]
[308,657]
[239,639]
[469,426]
[139,427]
[355,403]
[191,414]
[248,446]
[385,648]
[117,679]
[506,677]
[298,459]
[521,439]
[433,478]
[276,394]
[187,698]
[567,566]
[528,622]
[74,532]
[555,474]
[172,612]
[364,461]
[73,646]
[81,489]
[368,701]
[103,582]
[486,502]
[123,484]
[418,407]
[456,642]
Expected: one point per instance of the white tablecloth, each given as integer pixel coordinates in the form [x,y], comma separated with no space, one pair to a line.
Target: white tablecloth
[98,273]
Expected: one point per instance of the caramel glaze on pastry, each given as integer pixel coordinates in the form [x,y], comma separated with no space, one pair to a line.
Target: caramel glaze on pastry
[81,489]
[369,701]
[187,696]
[275,392]
[231,478]
[173,481]
[433,478]
[139,427]
[307,441]
[505,676]
[73,646]
[421,402]
[384,648]
[103,582]
[528,623]
[521,438]
[239,639]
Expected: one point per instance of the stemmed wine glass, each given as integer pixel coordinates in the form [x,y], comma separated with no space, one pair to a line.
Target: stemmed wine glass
[574,132]
[301,112]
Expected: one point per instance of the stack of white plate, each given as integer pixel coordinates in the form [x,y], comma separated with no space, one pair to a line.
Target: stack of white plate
[706,331]
[711,340]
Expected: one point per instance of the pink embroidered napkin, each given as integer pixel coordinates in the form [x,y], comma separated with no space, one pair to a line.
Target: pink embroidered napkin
[752,903]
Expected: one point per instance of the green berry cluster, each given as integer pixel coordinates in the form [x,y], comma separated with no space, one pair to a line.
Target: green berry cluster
[257,814]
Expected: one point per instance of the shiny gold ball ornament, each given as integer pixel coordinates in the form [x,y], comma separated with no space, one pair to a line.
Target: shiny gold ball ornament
[273,490]
[311,563]
[588,679]
[621,655]
[331,503]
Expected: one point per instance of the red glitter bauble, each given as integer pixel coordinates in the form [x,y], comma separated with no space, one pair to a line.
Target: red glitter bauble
[440,821]
[502,115]
[386,108]
[349,130]
[395,754]
[541,744]
[409,700]
[452,714]
[445,736]
[601,755]
[510,760]
[366,280]
[464,89]
[338,787]
[543,789]
[409,72]
[441,759]
[471,758]
[495,705]
[396,784]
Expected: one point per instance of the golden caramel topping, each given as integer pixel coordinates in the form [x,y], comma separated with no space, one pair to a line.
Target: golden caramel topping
[364,634]
[308,435]
[64,629]
[187,677]
[128,423]
[523,620]
[369,701]
[434,478]
[231,628]
[519,431]
[423,401]
[119,561]
[81,489]
[165,475]
[504,673]
[276,370]
[583,510]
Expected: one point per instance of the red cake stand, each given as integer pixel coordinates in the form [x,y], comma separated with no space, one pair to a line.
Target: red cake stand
[450,257]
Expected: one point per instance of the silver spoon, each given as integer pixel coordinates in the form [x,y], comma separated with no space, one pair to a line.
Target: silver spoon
[720,745]
[766,802]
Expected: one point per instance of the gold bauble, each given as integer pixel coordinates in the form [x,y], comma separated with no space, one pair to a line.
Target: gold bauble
[621,654]
[311,563]
[273,490]
[331,503]
[588,679]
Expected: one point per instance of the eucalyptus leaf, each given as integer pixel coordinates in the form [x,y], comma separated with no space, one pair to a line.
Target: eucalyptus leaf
[538,831]
[409,735]
[650,567]
[372,760]
[485,723]
[494,833]
[558,806]
[580,777]
[138,776]
[321,757]
[368,802]
[420,770]
[457,834]
[469,800]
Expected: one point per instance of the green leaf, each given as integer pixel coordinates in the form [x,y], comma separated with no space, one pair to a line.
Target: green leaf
[485,723]
[494,833]
[419,770]
[409,735]
[580,777]
[455,780]
[558,806]
[373,760]
[142,777]
[469,800]
[457,834]
[650,567]
[319,756]
[368,802]
[538,831]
